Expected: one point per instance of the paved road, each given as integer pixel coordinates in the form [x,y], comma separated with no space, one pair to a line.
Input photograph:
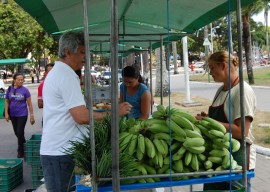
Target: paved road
[260,183]
[208,90]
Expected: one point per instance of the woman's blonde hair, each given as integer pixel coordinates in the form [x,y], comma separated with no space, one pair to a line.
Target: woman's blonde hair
[223,56]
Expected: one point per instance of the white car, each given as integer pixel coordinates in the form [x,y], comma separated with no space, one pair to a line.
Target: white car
[2,86]
[198,64]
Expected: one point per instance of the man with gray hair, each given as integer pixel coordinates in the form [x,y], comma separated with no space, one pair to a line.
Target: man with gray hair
[64,111]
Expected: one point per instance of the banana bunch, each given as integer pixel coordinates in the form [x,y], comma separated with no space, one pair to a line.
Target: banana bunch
[173,141]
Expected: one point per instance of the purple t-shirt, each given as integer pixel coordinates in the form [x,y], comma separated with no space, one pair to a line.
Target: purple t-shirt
[17,101]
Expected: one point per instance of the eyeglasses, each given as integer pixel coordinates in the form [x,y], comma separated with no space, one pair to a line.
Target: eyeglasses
[14,93]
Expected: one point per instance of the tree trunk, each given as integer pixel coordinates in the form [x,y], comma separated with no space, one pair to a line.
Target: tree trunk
[145,63]
[161,78]
[174,50]
[247,47]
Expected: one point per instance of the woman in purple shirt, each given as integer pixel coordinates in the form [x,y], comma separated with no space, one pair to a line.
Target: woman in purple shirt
[17,99]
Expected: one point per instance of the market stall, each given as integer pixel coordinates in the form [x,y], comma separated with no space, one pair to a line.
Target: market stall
[164,16]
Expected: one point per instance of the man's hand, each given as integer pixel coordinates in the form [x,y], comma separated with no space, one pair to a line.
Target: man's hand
[124,108]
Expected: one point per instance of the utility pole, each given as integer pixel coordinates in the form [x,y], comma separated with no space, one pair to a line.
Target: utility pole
[266,35]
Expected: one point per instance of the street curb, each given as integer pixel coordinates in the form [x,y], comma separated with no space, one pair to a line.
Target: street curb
[262,150]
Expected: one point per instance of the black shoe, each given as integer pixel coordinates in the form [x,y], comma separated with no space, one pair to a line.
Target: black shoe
[20,155]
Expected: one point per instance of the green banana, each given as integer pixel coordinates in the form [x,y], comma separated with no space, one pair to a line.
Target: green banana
[218,152]
[149,169]
[227,161]
[139,154]
[166,147]
[182,122]
[227,137]
[192,133]
[187,115]
[160,159]
[142,169]
[175,128]
[125,142]
[196,150]
[157,115]
[163,169]
[123,135]
[201,157]
[133,145]
[178,138]
[178,166]
[215,124]
[150,148]
[161,109]
[188,157]
[166,161]
[175,146]
[159,146]
[217,160]
[208,164]
[235,145]
[163,136]
[221,143]
[141,144]
[159,128]
[194,162]
[216,133]
[194,142]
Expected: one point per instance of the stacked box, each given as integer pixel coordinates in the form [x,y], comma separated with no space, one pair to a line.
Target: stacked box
[33,159]
[37,175]
[32,150]
[11,173]
[101,94]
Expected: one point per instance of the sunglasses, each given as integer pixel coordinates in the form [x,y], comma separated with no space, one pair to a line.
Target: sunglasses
[14,93]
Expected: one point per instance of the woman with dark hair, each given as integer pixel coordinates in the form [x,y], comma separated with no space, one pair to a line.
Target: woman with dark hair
[133,91]
[18,98]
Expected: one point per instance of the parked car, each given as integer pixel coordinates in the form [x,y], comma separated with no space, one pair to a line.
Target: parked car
[107,75]
[95,73]
[199,64]
[2,86]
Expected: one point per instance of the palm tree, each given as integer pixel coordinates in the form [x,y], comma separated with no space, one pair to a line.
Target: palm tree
[251,9]
[266,30]
[161,77]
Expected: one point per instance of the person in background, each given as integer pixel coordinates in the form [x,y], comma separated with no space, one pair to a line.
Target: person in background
[32,75]
[133,91]
[48,67]
[81,77]
[63,113]
[218,65]
[17,99]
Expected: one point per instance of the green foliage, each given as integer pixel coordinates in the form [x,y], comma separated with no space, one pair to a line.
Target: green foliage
[20,34]
[81,151]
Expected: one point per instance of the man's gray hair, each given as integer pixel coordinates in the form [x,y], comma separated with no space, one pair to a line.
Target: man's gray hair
[70,40]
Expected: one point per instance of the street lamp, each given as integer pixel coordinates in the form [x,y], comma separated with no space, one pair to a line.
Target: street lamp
[213,30]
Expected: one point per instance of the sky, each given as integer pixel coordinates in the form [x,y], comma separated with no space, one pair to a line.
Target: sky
[260,18]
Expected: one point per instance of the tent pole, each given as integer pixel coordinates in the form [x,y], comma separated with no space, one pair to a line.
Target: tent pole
[114,97]
[241,83]
[161,70]
[151,82]
[88,96]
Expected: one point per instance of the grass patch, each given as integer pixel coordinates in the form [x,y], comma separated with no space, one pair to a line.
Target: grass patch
[261,76]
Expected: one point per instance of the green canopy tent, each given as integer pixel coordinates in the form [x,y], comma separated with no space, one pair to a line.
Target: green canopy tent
[14,61]
[180,16]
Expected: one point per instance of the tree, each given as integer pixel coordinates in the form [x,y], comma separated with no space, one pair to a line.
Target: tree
[251,9]
[20,34]
[161,78]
